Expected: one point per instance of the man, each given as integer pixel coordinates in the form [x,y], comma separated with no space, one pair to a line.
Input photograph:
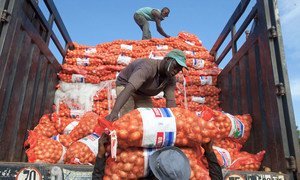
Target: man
[143,15]
[144,78]
[162,164]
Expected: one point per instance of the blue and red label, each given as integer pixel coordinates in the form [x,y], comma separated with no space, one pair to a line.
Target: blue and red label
[159,127]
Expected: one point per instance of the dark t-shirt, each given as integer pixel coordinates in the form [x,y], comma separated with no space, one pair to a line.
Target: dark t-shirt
[143,74]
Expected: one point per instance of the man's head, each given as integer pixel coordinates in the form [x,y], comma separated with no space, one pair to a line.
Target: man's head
[176,60]
[165,12]
[170,163]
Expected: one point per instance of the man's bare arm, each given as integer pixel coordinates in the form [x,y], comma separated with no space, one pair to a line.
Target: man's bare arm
[157,19]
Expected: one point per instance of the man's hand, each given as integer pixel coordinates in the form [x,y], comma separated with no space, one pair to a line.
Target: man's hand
[208,146]
[101,142]
[111,117]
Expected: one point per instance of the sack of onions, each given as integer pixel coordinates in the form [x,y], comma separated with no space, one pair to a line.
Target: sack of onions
[159,127]
[44,150]
[83,151]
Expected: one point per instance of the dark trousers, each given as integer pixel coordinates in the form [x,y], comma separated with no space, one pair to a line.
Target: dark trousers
[143,24]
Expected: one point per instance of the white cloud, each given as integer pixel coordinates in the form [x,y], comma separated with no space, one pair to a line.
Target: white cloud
[291,15]
[295,88]
[290,24]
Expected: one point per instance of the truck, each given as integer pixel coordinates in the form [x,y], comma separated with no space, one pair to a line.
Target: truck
[254,81]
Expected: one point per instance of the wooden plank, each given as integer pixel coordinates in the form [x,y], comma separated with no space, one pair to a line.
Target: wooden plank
[5,64]
[226,81]
[6,30]
[236,90]
[17,98]
[246,99]
[8,124]
[257,129]
[246,102]
[40,43]
[272,116]
[23,119]
[40,82]
[27,108]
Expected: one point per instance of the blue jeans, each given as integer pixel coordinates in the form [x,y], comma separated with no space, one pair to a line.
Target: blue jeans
[143,24]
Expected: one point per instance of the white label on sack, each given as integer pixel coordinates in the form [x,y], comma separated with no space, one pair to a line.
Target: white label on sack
[189,52]
[153,56]
[159,127]
[83,61]
[124,60]
[199,99]
[162,47]
[147,153]
[125,46]
[190,43]
[75,113]
[92,142]
[90,51]
[206,80]
[159,95]
[61,160]
[198,63]
[237,127]
[78,78]
[198,113]
[70,127]
[226,158]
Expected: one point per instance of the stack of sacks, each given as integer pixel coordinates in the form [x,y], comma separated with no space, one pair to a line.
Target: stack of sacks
[232,133]
[64,140]
[132,163]
[87,93]
[95,64]
[160,127]
[155,128]
[78,144]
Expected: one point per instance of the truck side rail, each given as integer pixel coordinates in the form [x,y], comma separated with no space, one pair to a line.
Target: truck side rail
[255,81]
[28,70]
[53,17]
[231,27]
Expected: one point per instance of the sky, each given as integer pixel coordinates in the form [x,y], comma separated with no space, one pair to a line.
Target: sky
[92,22]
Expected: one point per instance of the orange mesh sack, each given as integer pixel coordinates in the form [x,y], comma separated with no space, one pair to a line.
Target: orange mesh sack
[65,125]
[83,151]
[237,127]
[46,127]
[245,161]
[132,163]
[190,38]
[159,127]
[78,130]
[228,143]
[85,126]
[233,159]
[43,150]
